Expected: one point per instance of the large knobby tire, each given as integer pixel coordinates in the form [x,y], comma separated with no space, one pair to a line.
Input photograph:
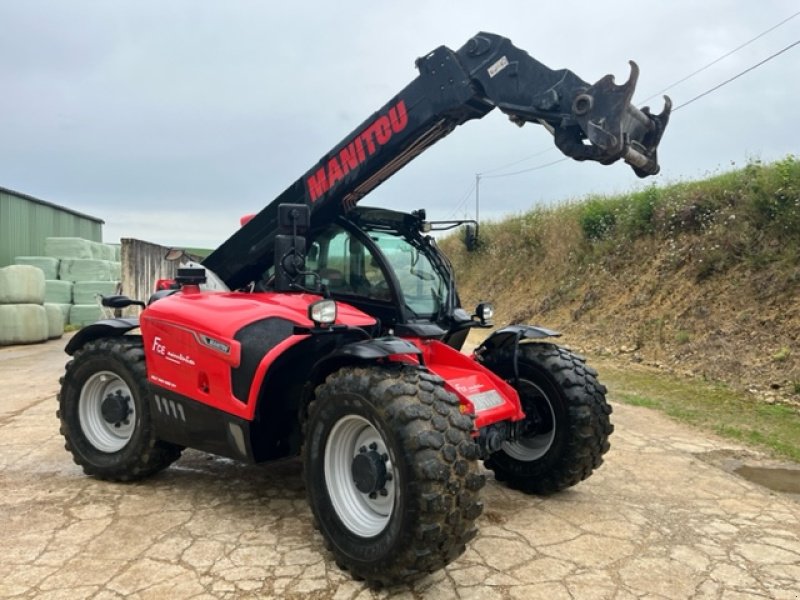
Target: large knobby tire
[567,423]
[104,411]
[391,472]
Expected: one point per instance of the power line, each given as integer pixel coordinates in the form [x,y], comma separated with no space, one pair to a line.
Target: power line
[463,202]
[516,162]
[727,81]
[536,168]
[726,55]
[484,175]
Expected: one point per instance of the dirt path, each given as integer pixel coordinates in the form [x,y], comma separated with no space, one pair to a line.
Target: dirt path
[657,521]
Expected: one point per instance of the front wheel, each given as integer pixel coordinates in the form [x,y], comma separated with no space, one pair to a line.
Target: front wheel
[566,428]
[390,471]
[105,413]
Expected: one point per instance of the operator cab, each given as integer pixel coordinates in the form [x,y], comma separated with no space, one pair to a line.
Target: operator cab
[378,261]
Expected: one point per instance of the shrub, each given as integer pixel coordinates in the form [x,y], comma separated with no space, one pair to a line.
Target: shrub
[598,219]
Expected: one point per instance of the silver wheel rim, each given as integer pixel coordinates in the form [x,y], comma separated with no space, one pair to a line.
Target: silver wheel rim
[363,515]
[105,436]
[530,448]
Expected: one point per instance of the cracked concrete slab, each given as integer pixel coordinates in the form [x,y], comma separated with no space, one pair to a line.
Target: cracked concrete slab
[658,520]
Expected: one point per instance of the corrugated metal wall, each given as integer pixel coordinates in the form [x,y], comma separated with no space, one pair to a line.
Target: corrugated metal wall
[26,222]
[142,264]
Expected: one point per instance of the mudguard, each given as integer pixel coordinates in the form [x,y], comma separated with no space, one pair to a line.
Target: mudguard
[513,334]
[100,329]
[366,350]
[375,348]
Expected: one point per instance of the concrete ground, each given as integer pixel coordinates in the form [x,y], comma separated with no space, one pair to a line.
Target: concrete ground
[658,520]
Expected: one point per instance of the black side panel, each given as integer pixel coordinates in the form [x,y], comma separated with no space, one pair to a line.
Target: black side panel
[186,422]
[256,339]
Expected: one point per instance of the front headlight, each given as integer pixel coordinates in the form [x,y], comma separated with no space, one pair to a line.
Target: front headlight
[322,312]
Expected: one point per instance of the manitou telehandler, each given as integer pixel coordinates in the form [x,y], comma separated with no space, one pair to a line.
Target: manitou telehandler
[339,337]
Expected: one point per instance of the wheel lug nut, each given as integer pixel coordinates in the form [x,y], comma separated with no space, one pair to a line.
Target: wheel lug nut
[385,457]
[384,492]
[373,446]
[372,495]
[389,477]
[363,450]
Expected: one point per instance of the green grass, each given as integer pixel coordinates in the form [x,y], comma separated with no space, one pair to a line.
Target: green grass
[710,407]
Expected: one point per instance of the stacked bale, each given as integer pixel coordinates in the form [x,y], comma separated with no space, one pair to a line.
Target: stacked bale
[77,273]
[23,318]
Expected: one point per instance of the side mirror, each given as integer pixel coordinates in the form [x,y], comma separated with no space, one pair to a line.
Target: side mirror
[119,302]
[290,248]
[485,313]
[471,237]
[294,217]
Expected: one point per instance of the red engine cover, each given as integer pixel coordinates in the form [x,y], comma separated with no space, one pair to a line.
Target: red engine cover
[190,346]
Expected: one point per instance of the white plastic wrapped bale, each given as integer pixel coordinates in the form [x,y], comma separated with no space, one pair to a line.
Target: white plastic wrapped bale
[102,251]
[22,324]
[47,264]
[88,292]
[64,308]
[55,321]
[109,252]
[57,291]
[78,269]
[21,284]
[116,271]
[85,314]
[68,247]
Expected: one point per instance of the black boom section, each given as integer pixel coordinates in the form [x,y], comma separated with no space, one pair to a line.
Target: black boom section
[256,340]
[452,88]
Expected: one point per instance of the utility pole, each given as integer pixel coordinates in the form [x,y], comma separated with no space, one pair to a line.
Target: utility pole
[477,195]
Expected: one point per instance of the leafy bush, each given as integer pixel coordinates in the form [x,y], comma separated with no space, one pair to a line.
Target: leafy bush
[598,219]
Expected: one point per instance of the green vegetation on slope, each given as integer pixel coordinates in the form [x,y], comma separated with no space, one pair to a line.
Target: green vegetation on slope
[698,278]
[749,216]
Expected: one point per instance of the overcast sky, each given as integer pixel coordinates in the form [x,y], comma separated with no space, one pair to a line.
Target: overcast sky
[170,119]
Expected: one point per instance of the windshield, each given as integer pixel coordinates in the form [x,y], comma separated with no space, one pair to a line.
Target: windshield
[423,288]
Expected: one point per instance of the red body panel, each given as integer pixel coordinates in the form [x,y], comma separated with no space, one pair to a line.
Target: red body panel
[480,390]
[190,347]
[190,350]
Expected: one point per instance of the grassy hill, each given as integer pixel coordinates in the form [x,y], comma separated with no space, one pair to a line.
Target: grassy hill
[700,278]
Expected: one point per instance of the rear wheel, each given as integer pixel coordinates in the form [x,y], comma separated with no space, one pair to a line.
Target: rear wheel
[105,413]
[391,472]
[566,429]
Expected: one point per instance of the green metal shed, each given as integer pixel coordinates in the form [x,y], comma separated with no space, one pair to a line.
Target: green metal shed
[26,221]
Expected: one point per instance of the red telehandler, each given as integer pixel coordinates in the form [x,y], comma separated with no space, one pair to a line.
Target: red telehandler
[339,338]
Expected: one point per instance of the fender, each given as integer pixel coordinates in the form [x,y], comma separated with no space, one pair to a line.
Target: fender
[375,348]
[364,350]
[99,329]
[513,334]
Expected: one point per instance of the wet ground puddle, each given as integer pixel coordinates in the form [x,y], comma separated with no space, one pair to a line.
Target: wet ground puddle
[786,481]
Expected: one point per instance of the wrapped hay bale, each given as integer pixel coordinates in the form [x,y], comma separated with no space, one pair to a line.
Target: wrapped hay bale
[22,324]
[57,291]
[55,321]
[47,264]
[68,247]
[64,308]
[109,252]
[78,269]
[116,271]
[21,284]
[88,292]
[117,252]
[85,314]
